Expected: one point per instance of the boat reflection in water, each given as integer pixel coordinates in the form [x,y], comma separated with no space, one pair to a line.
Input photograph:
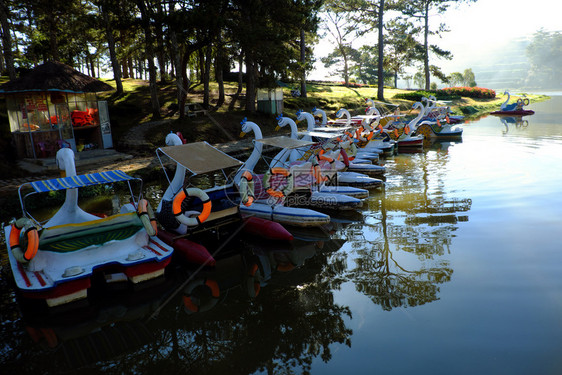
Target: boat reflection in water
[513,121]
[191,319]
[398,255]
[265,306]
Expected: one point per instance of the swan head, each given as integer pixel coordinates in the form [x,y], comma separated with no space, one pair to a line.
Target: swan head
[173,139]
[65,158]
[245,127]
[281,121]
[424,99]
[300,115]
[369,102]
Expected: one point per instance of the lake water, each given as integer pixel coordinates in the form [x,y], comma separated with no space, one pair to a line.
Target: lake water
[455,268]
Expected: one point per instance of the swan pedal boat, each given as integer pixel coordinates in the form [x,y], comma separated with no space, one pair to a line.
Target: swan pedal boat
[514,109]
[522,112]
[224,217]
[265,205]
[307,191]
[74,245]
[363,162]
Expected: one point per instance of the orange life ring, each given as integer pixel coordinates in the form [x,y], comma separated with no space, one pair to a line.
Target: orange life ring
[146,214]
[317,173]
[30,235]
[253,285]
[178,212]
[247,189]
[194,304]
[322,156]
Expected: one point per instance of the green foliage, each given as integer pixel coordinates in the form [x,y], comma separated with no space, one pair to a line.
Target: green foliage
[466,78]
[471,92]
[449,93]
[544,53]
[417,95]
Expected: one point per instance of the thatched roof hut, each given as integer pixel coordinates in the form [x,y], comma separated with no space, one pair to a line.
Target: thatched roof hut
[55,76]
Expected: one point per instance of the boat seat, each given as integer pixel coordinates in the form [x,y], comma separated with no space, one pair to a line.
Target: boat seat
[71,237]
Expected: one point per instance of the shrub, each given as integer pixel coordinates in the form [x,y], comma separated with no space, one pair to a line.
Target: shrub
[449,93]
[471,92]
[417,95]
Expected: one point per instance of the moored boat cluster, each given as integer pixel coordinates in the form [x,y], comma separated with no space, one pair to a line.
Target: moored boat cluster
[328,168]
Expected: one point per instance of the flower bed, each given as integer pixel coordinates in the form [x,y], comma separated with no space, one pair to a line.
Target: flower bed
[471,92]
[449,93]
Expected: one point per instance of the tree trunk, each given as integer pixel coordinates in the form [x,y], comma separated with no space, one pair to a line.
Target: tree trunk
[92,65]
[160,45]
[207,76]
[53,42]
[250,83]
[303,65]
[149,40]
[111,46]
[380,68]
[131,68]
[201,63]
[175,55]
[426,46]
[184,81]
[125,68]
[240,74]
[7,40]
[219,77]
[240,83]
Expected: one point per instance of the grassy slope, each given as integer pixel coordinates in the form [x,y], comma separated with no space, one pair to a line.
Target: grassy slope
[134,107]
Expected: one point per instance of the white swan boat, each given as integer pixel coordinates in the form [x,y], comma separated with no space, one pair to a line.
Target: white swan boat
[189,213]
[265,204]
[350,171]
[514,109]
[439,127]
[379,140]
[55,260]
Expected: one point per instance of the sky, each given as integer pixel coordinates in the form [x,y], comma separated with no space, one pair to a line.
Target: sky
[477,30]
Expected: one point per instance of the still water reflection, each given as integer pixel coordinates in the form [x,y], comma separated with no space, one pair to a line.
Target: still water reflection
[454,268]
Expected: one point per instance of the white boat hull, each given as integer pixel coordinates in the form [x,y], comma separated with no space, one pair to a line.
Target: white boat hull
[366,168]
[49,270]
[346,190]
[359,180]
[333,201]
[296,216]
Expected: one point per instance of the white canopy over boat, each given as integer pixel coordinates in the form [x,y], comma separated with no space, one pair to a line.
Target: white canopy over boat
[285,142]
[199,157]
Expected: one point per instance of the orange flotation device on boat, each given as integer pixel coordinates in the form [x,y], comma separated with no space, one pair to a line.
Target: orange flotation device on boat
[24,254]
[247,189]
[146,214]
[178,212]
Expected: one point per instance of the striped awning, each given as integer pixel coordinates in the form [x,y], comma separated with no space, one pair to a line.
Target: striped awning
[82,180]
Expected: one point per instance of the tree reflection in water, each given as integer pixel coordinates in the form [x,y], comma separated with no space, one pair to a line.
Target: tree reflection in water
[413,217]
[292,321]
